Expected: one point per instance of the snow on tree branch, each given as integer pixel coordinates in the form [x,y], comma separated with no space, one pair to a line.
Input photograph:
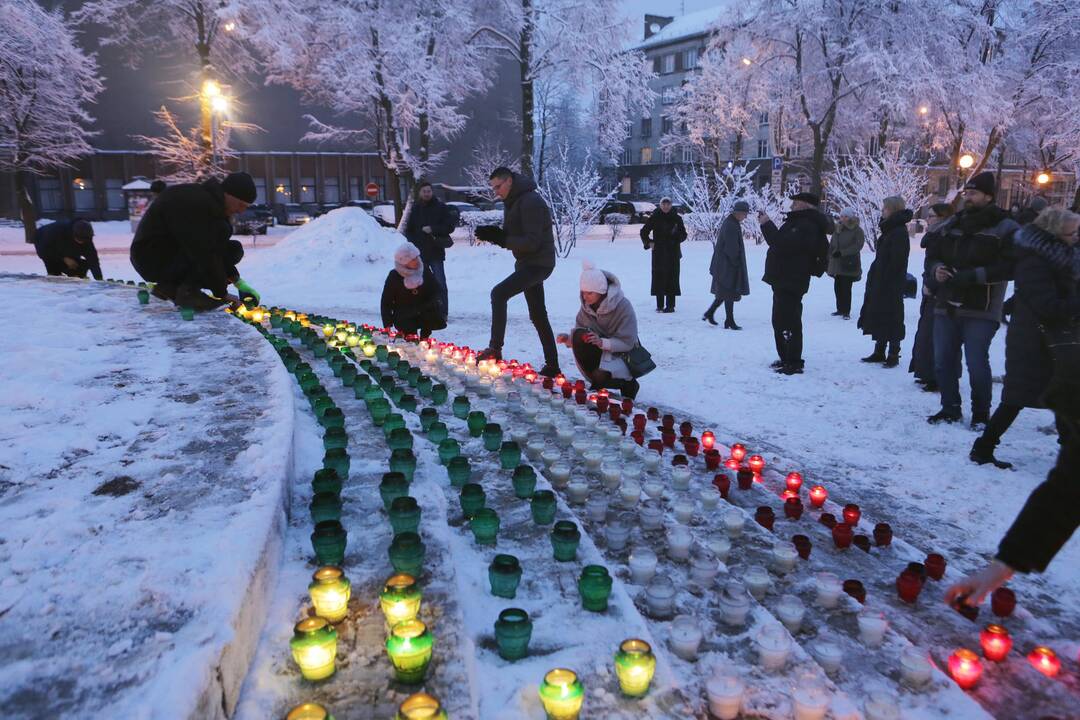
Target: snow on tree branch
[572,192]
[862,182]
[487,155]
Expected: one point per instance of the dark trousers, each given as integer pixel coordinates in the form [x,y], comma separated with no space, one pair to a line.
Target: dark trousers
[787,325]
[179,270]
[1006,414]
[530,281]
[842,290]
[973,335]
[586,354]
[59,267]
[665,302]
[922,350]
[729,308]
[439,271]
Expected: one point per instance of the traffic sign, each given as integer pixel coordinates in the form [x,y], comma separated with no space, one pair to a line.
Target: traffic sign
[372,190]
[777,163]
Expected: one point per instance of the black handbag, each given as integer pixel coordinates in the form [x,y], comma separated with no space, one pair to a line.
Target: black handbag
[639,361]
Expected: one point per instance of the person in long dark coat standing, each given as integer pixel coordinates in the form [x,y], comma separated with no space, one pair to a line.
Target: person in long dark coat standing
[882,314]
[922,349]
[845,260]
[1046,277]
[797,249]
[730,281]
[428,228]
[663,233]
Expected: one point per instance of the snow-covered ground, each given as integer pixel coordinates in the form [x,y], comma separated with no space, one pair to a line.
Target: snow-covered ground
[143,464]
[859,430]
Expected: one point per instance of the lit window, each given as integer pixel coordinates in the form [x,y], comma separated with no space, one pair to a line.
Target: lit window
[330,190]
[646,155]
[762,148]
[688,155]
[668,95]
[84,194]
[307,189]
[282,190]
[50,197]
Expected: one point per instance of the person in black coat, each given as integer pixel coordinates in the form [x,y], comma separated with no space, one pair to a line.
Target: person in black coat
[410,296]
[730,281]
[797,249]
[1046,294]
[663,233]
[183,241]
[428,228]
[922,349]
[882,314]
[527,233]
[67,248]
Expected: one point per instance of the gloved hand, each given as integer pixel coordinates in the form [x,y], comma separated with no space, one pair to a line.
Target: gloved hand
[246,290]
[836,254]
[491,234]
[964,277]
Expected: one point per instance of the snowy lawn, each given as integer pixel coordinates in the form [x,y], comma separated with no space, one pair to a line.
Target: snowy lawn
[142,475]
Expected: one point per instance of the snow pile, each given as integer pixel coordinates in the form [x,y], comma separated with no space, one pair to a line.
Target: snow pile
[344,251]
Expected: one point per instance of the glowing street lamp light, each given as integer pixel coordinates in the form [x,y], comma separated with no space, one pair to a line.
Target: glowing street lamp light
[747,62]
[230,26]
[1042,178]
[966,161]
[211,89]
[924,110]
[219,104]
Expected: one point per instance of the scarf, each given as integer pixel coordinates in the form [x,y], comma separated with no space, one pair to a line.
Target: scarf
[1049,248]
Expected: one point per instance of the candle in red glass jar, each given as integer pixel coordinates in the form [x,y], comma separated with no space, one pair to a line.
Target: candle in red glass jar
[560,379]
[1045,661]
[602,401]
[882,534]
[653,414]
[580,397]
[657,445]
[722,483]
[842,535]
[567,391]
[1002,602]
[745,478]
[679,460]
[548,383]
[802,546]
[818,495]
[691,446]
[935,566]
[668,422]
[793,481]
[668,438]
[995,642]
[738,452]
[852,514]
[530,376]
[627,406]
[579,384]
[615,413]
[908,586]
[793,508]
[828,520]
[708,439]
[712,459]
[638,436]
[765,517]
[965,668]
[731,464]
[756,463]
[788,494]
[855,589]
[639,422]
[686,428]
[862,542]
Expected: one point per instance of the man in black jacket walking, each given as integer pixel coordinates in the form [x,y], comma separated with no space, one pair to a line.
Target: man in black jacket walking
[183,241]
[67,248]
[428,228]
[797,249]
[663,234]
[526,232]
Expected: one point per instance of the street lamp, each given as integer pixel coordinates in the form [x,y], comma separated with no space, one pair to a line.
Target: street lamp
[966,161]
[747,62]
[924,110]
[1042,178]
[230,26]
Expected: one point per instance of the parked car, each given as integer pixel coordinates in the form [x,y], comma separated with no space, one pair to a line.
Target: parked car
[618,207]
[264,212]
[365,205]
[314,210]
[328,207]
[249,222]
[642,211]
[462,208]
[385,213]
[291,214]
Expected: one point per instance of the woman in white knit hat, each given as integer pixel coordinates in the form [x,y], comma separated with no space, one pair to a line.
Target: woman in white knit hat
[410,297]
[604,330]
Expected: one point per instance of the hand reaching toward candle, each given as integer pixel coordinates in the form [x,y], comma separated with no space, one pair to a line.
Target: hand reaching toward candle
[975,587]
[593,339]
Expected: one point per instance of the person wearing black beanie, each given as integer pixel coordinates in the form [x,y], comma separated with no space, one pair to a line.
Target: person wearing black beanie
[183,242]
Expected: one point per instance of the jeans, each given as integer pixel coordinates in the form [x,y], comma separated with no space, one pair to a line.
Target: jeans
[438,269]
[787,326]
[952,333]
[842,290]
[530,281]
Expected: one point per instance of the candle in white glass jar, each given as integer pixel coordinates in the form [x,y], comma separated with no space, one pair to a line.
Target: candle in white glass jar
[757,581]
[828,588]
[915,668]
[828,654]
[810,699]
[773,646]
[550,456]
[593,460]
[733,523]
[642,564]
[651,461]
[653,488]
[684,511]
[704,568]
[734,603]
[680,478]
[629,492]
[660,597]
[610,475]
[783,558]
[720,547]
[686,636]
[791,610]
[596,507]
[679,540]
[872,626]
[651,515]
[559,475]
[709,498]
[628,448]
[617,533]
[577,492]
[631,472]
[881,706]
[725,693]
[535,447]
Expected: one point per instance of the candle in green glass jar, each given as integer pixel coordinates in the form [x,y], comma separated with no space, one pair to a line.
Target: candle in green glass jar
[337,459]
[332,417]
[392,486]
[325,506]
[329,541]
[335,437]
[404,515]
[420,706]
[562,694]
[460,407]
[509,455]
[330,591]
[492,437]
[513,631]
[144,297]
[476,422]
[348,375]
[594,586]
[413,377]
[437,432]
[428,416]
[314,648]
[187,313]
[524,482]
[439,394]
[485,526]
[407,403]
[321,404]
[543,507]
[565,538]
[448,450]
[504,575]
[634,666]
[472,498]
[382,354]
[400,599]
[396,394]
[378,409]
[407,554]
[393,421]
[424,386]
[320,350]
[409,647]
[404,462]
[326,480]
[400,439]
[459,471]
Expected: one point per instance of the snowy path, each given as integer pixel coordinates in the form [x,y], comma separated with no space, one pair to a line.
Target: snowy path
[142,476]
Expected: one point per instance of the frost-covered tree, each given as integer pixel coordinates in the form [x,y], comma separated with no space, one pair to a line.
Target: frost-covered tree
[183,153]
[487,155]
[862,182]
[575,42]
[710,194]
[396,79]
[47,83]
[573,192]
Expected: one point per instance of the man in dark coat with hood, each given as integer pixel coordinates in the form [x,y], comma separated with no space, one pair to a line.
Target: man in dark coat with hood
[969,265]
[428,228]
[730,281]
[663,233]
[67,248]
[183,241]
[526,232]
[797,249]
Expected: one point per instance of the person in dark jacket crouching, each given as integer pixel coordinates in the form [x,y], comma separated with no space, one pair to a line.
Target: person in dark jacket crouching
[605,328]
[183,242]
[410,296]
[797,249]
[67,248]
[663,234]
[882,314]
[527,233]
[970,265]
[1046,295]
[730,281]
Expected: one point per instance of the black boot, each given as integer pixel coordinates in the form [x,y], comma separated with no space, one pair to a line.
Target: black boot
[550,370]
[708,317]
[164,291]
[893,359]
[982,453]
[489,354]
[979,419]
[945,416]
[627,388]
[729,324]
[878,356]
[192,297]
